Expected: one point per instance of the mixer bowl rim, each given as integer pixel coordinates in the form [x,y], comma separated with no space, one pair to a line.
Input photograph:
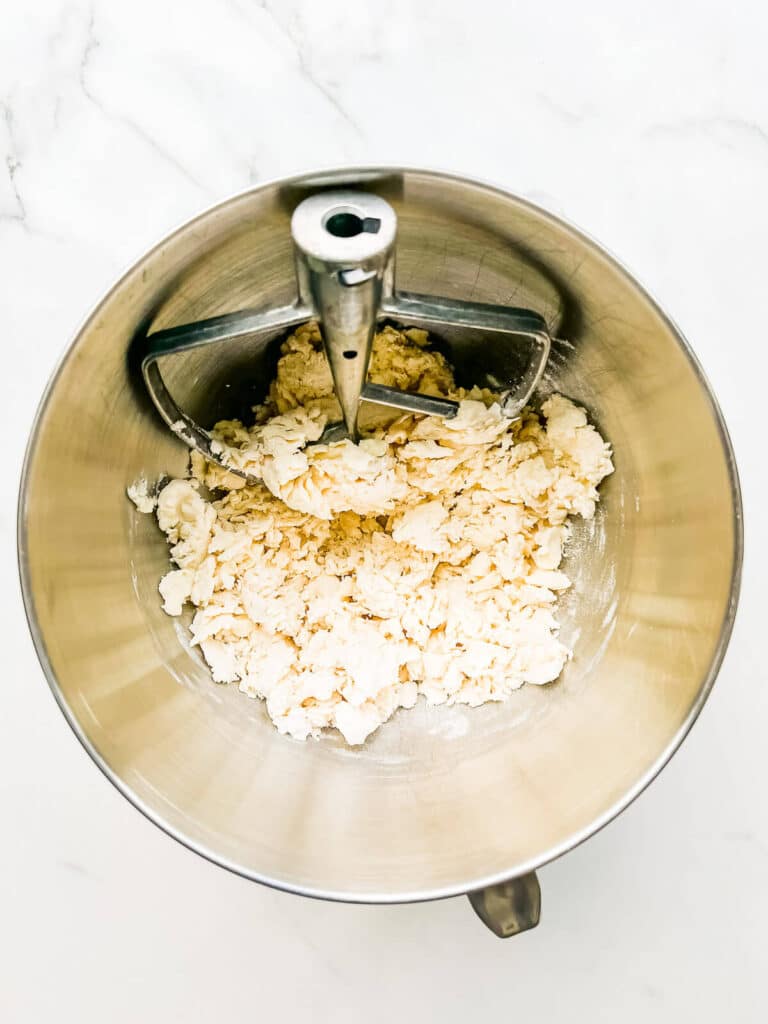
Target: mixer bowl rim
[471,884]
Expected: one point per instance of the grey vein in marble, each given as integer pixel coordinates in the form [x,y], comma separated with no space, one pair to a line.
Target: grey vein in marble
[13,165]
[298,42]
[91,45]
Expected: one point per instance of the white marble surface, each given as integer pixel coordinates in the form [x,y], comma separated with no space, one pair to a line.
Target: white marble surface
[648,125]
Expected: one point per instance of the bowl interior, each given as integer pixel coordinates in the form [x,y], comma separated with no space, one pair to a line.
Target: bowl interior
[439,800]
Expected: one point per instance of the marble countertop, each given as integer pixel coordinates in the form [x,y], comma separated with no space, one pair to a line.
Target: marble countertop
[648,126]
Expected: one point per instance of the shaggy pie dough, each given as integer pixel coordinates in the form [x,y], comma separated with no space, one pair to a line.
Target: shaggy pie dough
[423,560]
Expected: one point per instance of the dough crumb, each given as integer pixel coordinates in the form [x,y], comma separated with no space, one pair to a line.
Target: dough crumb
[143,495]
[423,560]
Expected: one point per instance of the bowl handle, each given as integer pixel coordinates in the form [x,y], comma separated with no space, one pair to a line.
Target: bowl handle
[510,907]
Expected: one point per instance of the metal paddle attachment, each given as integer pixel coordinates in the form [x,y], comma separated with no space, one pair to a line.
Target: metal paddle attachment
[344,244]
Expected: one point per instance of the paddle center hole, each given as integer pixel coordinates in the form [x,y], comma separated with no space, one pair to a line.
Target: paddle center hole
[344,225]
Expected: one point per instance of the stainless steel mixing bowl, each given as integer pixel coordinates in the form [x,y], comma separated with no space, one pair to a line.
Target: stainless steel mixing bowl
[441,801]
